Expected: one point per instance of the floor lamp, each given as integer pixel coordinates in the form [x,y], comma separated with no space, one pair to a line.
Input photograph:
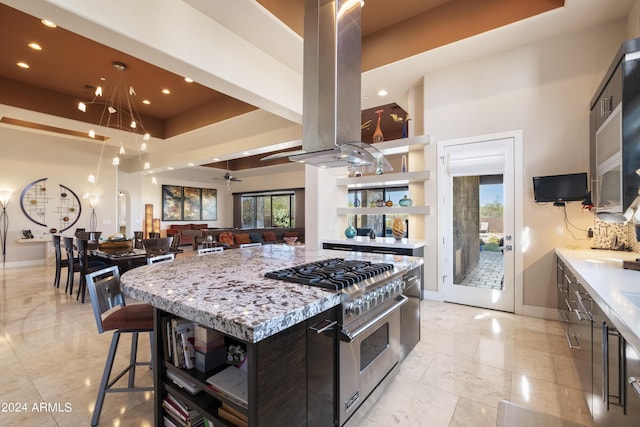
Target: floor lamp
[5,196]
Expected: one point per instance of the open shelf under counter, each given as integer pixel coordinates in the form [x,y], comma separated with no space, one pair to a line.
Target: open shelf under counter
[385,180]
[394,210]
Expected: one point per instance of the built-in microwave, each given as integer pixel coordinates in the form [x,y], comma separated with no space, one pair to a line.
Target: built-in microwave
[608,180]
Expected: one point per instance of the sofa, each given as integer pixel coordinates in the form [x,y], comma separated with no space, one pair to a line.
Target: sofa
[234,237]
[188,232]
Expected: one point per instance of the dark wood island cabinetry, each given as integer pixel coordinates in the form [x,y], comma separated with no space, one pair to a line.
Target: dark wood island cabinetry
[291,377]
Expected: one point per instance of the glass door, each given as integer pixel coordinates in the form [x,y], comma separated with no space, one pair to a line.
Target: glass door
[477,185]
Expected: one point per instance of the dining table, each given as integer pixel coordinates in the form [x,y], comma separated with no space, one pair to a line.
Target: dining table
[124,259]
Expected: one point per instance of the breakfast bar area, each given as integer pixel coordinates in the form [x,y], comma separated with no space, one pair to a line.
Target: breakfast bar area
[282,326]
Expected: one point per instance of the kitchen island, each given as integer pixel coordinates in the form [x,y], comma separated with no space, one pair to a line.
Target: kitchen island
[285,328]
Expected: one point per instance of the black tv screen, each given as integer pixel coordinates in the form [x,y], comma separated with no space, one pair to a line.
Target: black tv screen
[560,188]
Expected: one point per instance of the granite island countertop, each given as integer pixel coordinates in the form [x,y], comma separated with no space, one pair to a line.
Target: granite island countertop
[228,292]
[381,242]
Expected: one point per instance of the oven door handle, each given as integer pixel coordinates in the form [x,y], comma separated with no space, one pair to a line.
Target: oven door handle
[348,336]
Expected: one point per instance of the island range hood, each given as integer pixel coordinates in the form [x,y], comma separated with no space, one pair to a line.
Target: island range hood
[331,88]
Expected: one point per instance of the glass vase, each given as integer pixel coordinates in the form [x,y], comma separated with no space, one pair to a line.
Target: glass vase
[377,135]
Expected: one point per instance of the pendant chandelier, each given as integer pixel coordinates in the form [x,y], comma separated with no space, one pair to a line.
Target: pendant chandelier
[119,113]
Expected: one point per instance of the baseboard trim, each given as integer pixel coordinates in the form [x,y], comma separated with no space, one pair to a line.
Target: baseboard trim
[30,263]
[540,312]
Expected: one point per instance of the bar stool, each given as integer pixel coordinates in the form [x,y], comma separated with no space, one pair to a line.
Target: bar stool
[160,258]
[157,246]
[106,296]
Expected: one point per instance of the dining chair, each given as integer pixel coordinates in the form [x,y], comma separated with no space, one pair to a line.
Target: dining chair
[175,244]
[207,251]
[137,239]
[158,246]
[92,237]
[112,314]
[57,243]
[73,264]
[86,266]
[161,258]
[154,235]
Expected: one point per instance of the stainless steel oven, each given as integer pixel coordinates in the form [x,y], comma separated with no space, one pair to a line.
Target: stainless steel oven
[368,351]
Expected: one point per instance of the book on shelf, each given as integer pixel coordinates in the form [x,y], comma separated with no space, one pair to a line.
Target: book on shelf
[168,422]
[231,414]
[183,383]
[231,382]
[206,339]
[184,352]
[179,409]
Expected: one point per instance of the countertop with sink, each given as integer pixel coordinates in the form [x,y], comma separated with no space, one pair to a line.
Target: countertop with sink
[615,289]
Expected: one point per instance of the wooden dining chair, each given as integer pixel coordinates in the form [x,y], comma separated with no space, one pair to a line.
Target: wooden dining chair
[60,263]
[159,246]
[161,258]
[86,266]
[112,314]
[73,264]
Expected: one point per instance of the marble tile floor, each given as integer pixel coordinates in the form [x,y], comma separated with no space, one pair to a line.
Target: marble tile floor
[52,357]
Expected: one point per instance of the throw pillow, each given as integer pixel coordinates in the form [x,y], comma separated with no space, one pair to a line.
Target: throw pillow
[256,238]
[242,238]
[226,237]
[291,234]
[269,236]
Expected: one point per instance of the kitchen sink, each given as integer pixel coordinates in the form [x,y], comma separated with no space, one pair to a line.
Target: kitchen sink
[634,297]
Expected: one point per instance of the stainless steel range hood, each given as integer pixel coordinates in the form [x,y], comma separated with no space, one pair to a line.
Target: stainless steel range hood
[331,88]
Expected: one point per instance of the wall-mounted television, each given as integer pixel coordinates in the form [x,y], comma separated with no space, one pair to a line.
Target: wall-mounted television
[560,188]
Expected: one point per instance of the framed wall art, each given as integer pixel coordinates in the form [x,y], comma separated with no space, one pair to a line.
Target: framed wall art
[189,203]
[209,204]
[171,203]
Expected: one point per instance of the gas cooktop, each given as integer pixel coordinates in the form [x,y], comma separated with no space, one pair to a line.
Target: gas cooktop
[334,273]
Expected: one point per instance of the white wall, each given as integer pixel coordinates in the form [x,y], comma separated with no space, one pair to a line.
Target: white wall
[544,89]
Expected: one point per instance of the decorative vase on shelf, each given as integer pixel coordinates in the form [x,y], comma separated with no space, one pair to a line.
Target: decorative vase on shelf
[377,135]
[356,203]
[405,201]
[388,203]
[372,234]
[398,228]
[379,203]
[379,170]
[404,164]
[350,232]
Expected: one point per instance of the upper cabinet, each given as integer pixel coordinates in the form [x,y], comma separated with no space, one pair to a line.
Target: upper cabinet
[614,132]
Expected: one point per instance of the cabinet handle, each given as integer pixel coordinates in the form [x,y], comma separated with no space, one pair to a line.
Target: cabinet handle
[384,252]
[571,346]
[329,324]
[340,248]
[568,305]
[635,384]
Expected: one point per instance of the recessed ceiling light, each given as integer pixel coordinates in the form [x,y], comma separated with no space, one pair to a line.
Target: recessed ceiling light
[166,91]
[190,164]
[215,159]
[383,92]
[23,65]
[170,168]
[188,79]
[48,23]
[35,46]
[146,101]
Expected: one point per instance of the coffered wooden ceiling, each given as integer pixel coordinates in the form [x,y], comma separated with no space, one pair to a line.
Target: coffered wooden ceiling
[70,66]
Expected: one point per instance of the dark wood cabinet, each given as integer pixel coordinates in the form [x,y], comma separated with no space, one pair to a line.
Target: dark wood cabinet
[614,150]
[291,377]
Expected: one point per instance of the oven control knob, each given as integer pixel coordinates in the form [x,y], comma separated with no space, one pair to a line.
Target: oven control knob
[366,303]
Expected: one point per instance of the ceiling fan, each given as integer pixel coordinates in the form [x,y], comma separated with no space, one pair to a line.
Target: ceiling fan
[228,177]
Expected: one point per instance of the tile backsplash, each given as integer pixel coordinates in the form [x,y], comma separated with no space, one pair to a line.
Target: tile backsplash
[607,235]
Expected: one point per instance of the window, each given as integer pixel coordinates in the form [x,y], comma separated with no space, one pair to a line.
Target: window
[381,224]
[266,210]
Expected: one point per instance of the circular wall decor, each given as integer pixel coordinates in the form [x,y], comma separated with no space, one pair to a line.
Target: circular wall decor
[59,211]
